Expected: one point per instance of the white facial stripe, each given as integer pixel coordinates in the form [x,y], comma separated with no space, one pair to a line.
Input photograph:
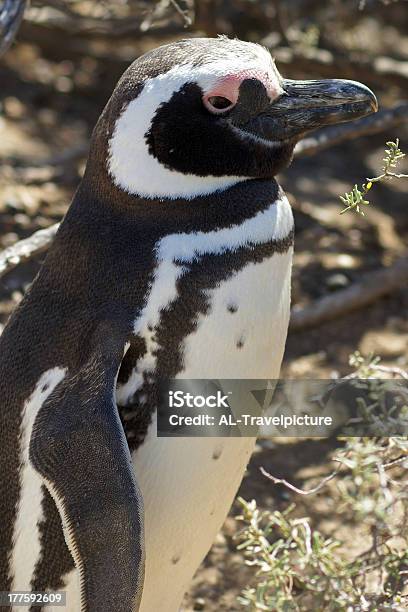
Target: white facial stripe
[130,164]
[26,537]
[133,168]
[274,223]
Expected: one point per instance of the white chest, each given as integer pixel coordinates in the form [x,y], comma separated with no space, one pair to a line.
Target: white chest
[243,335]
[188,484]
[245,322]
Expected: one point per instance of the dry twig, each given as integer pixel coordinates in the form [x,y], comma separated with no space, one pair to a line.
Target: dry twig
[27,249]
[292,487]
[373,286]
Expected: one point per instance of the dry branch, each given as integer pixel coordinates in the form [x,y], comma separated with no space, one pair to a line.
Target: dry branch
[382,71]
[59,17]
[329,137]
[372,287]
[27,249]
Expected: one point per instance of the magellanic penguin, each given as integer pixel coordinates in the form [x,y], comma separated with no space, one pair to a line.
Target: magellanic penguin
[173,261]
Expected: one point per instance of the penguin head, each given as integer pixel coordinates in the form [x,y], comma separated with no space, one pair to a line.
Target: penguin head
[199,115]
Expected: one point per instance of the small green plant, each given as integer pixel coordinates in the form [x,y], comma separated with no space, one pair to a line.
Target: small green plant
[356,198]
[300,569]
[297,568]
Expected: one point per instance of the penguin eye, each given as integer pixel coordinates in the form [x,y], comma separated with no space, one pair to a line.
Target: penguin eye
[217,104]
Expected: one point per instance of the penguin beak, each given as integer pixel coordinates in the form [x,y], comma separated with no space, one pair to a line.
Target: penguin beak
[307,105]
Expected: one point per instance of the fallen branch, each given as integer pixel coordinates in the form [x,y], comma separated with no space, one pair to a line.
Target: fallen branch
[373,286]
[374,124]
[382,71]
[26,249]
[60,17]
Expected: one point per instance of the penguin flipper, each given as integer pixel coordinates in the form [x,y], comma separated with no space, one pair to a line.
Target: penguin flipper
[79,449]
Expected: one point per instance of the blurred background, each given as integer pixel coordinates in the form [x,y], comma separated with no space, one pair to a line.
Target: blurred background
[55,80]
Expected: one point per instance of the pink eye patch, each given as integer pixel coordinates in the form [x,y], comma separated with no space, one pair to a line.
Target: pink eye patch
[224,95]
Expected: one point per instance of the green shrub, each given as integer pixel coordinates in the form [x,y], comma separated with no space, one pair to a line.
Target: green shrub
[298,568]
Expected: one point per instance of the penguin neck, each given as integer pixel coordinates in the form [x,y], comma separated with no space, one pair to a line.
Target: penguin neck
[105,207]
